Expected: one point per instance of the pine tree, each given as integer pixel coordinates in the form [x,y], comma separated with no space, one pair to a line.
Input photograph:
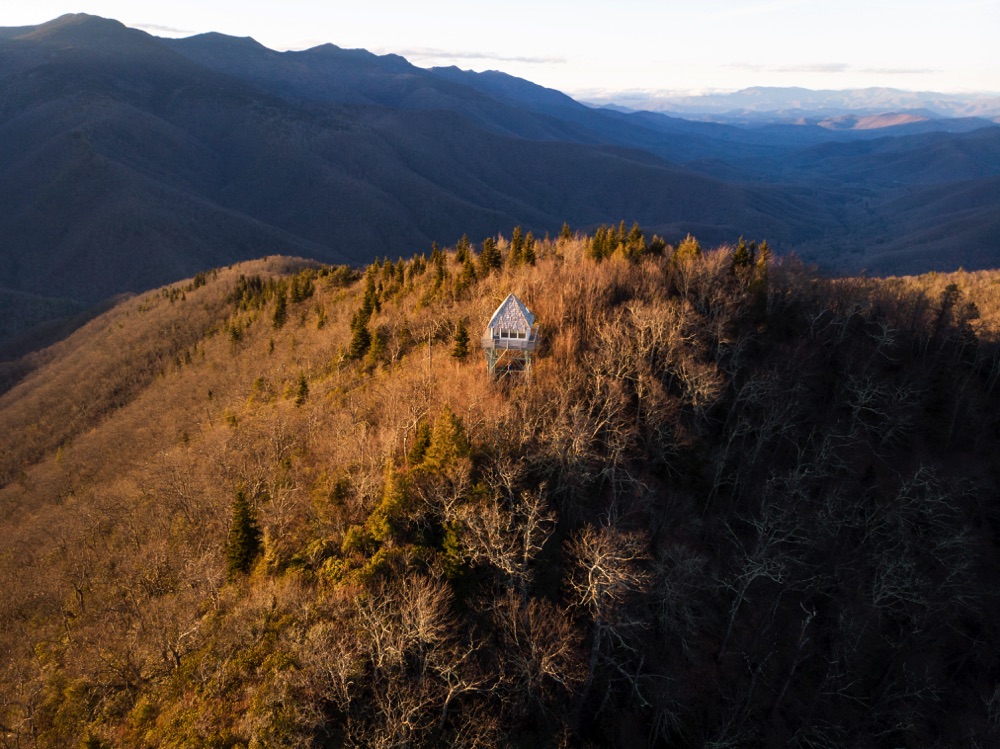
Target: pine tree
[370,303]
[566,232]
[601,244]
[280,309]
[462,250]
[376,351]
[243,545]
[303,390]
[440,274]
[490,259]
[744,255]
[361,338]
[635,243]
[460,348]
[529,249]
[466,277]
[421,441]
[688,249]
[449,442]
[516,254]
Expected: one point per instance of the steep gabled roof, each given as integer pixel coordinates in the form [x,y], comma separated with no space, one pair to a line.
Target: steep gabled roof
[513,315]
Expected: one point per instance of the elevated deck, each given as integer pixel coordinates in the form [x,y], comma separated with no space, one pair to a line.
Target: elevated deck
[511,344]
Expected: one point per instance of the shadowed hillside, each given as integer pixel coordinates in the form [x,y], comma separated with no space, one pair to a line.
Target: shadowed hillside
[128,161]
[126,165]
[281,505]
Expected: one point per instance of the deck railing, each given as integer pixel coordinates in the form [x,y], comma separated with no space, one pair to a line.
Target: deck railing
[512,344]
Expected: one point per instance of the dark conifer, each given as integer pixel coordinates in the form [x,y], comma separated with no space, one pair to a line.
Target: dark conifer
[421,441]
[743,257]
[462,250]
[303,390]
[516,255]
[460,347]
[243,545]
[490,259]
[361,338]
[529,249]
[280,308]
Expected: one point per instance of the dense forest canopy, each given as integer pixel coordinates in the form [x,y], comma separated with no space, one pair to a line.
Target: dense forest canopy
[738,504]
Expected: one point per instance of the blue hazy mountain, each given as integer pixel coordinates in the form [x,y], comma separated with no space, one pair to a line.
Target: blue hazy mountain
[128,161]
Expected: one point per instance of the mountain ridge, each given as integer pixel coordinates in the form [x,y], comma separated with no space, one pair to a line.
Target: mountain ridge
[126,164]
[759,103]
[706,428]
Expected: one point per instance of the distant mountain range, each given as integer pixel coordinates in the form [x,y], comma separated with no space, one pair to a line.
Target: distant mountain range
[771,104]
[128,161]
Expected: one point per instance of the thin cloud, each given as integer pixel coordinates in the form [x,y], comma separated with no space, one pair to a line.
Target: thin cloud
[424,53]
[155,28]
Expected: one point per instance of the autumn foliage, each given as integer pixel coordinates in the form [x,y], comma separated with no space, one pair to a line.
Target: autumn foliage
[738,504]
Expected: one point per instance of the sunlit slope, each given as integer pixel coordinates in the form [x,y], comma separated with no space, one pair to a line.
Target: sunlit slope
[733,494]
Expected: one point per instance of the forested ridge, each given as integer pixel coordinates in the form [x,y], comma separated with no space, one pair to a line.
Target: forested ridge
[738,504]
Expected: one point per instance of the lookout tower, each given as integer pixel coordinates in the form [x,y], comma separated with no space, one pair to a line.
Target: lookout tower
[510,338]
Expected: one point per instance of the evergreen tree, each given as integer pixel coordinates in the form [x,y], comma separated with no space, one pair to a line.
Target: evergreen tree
[468,276]
[302,392]
[529,249]
[635,243]
[763,256]
[744,255]
[516,255]
[360,337]
[462,250]
[566,232]
[280,308]
[460,348]
[243,545]
[370,303]
[601,244]
[421,441]
[440,274]
[688,249]
[389,518]
[376,351]
[490,259]
[449,442]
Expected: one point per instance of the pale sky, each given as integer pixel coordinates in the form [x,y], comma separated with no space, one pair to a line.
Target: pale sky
[589,48]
